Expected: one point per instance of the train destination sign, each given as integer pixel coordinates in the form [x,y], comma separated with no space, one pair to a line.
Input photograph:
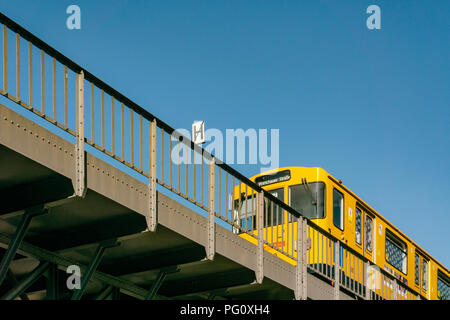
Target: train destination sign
[273,178]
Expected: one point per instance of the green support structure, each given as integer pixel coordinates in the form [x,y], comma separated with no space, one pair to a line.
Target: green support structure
[17,240]
[26,282]
[93,267]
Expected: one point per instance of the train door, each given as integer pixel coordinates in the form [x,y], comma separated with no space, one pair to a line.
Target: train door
[369,236]
[359,228]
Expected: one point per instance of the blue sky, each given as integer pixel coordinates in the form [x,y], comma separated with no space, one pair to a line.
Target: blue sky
[369,106]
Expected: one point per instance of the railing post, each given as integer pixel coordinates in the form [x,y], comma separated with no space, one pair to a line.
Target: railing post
[300,269]
[395,289]
[336,270]
[367,278]
[152,220]
[211,245]
[80,157]
[260,252]
[304,264]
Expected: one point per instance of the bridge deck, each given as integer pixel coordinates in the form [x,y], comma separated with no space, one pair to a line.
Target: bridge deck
[37,167]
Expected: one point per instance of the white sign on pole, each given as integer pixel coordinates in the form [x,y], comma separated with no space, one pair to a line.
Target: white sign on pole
[198,132]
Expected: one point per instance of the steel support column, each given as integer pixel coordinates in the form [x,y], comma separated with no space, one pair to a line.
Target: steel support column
[52,292]
[18,237]
[156,285]
[152,293]
[211,238]
[26,282]
[92,267]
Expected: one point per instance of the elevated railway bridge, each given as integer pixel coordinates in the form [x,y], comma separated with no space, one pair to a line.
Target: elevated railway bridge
[88,179]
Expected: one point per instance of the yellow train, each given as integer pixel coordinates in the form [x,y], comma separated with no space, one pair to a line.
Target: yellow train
[327,203]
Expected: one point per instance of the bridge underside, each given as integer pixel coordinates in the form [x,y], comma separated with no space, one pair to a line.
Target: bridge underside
[105,233]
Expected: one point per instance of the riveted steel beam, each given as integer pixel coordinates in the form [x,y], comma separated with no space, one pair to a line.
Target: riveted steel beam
[18,237]
[25,283]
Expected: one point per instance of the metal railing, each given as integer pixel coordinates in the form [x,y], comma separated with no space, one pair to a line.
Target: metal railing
[100,116]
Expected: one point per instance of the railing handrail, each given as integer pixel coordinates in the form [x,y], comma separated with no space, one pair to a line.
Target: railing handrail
[133,105]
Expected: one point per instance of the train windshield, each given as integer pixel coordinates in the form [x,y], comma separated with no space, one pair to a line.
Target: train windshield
[308,199]
[245,212]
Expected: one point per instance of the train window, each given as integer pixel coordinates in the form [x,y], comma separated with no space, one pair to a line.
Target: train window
[417,270]
[443,286]
[273,215]
[338,209]
[396,252]
[369,237]
[424,274]
[358,225]
[308,199]
[247,213]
